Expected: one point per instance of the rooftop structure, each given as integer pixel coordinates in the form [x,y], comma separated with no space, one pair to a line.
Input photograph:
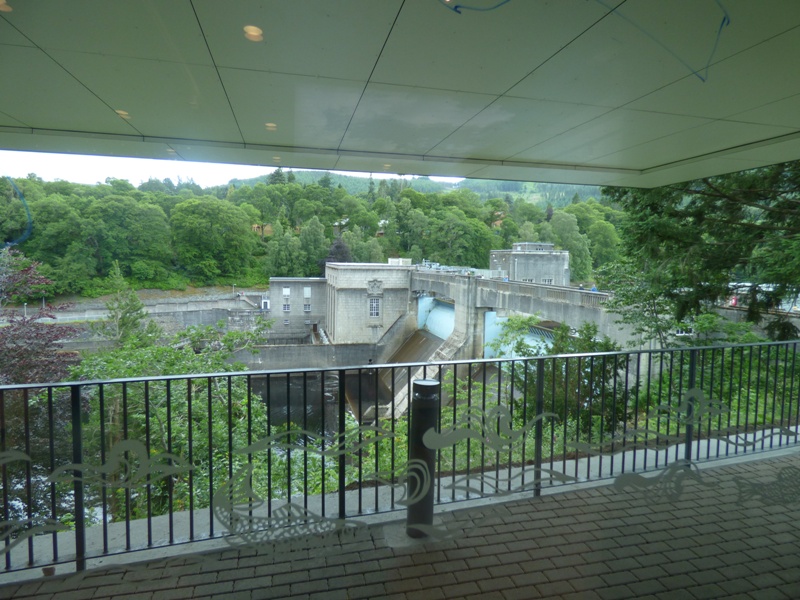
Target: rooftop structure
[532,262]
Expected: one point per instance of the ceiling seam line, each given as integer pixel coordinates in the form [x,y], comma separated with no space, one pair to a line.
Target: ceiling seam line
[216,70]
[369,77]
[68,72]
[480,163]
[505,93]
[690,75]
[564,47]
[787,137]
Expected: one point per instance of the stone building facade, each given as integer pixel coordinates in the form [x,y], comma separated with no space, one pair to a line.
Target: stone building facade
[365,300]
[532,262]
[297,304]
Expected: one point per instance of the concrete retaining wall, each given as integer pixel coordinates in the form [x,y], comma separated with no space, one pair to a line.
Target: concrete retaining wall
[307,356]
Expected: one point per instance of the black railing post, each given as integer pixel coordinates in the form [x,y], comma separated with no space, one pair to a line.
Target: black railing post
[687,453]
[342,448]
[424,416]
[77,459]
[538,429]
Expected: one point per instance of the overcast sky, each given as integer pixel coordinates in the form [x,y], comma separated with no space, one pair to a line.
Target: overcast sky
[95,169]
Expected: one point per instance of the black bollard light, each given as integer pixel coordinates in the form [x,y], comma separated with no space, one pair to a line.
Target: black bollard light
[424,416]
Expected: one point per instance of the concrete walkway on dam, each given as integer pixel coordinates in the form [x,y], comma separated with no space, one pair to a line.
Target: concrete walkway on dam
[732,532]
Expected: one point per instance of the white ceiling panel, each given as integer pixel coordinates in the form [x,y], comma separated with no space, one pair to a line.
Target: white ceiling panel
[784,112]
[164,99]
[42,95]
[770,153]
[8,121]
[639,92]
[256,155]
[734,85]
[692,170]
[641,46]
[691,144]
[511,125]
[433,47]
[612,132]
[66,144]
[545,174]
[10,36]
[392,118]
[403,165]
[311,37]
[304,111]
[149,29]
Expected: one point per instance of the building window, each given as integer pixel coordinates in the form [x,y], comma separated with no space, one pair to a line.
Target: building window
[547,281]
[306,308]
[286,321]
[287,291]
[528,280]
[374,307]
[286,306]
[307,292]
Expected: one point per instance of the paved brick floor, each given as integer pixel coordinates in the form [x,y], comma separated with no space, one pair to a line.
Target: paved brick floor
[728,532]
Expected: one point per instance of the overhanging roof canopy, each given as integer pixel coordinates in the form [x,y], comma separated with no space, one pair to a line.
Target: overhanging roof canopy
[635,93]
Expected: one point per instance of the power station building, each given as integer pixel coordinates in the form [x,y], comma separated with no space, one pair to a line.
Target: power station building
[532,262]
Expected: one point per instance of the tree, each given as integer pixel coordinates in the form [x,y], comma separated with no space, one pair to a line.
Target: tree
[30,352]
[565,228]
[509,232]
[588,213]
[525,211]
[212,238]
[285,255]
[604,243]
[126,323]
[276,176]
[579,386]
[315,246]
[527,233]
[701,235]
[13,214]
[371,195]
[649,314]
[456,239]
[30,348]
[339,252]
[197,350]
[544,233]
[119,228]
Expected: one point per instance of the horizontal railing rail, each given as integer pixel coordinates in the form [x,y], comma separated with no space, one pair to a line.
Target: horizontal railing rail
[92,468]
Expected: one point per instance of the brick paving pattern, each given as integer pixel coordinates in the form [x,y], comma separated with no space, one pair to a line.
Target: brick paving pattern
[598,543]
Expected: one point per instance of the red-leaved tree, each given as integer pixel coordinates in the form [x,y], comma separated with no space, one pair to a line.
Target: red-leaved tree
[30,344]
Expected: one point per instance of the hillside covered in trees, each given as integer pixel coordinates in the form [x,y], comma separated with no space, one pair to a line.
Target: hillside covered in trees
[168,236]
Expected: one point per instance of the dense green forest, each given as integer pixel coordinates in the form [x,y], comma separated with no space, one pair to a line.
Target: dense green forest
[556,194]
[169,236]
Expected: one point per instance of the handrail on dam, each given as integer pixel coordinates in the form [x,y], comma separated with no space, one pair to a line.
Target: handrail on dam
[539,290]
[95,468]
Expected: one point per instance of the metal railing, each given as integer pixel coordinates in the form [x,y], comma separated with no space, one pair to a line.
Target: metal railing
[94,468]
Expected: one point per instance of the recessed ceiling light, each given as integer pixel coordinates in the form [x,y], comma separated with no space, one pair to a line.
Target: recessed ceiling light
[253,33]
[276,158]
[123,113]
[5,7]
[386,166]
[270,126]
